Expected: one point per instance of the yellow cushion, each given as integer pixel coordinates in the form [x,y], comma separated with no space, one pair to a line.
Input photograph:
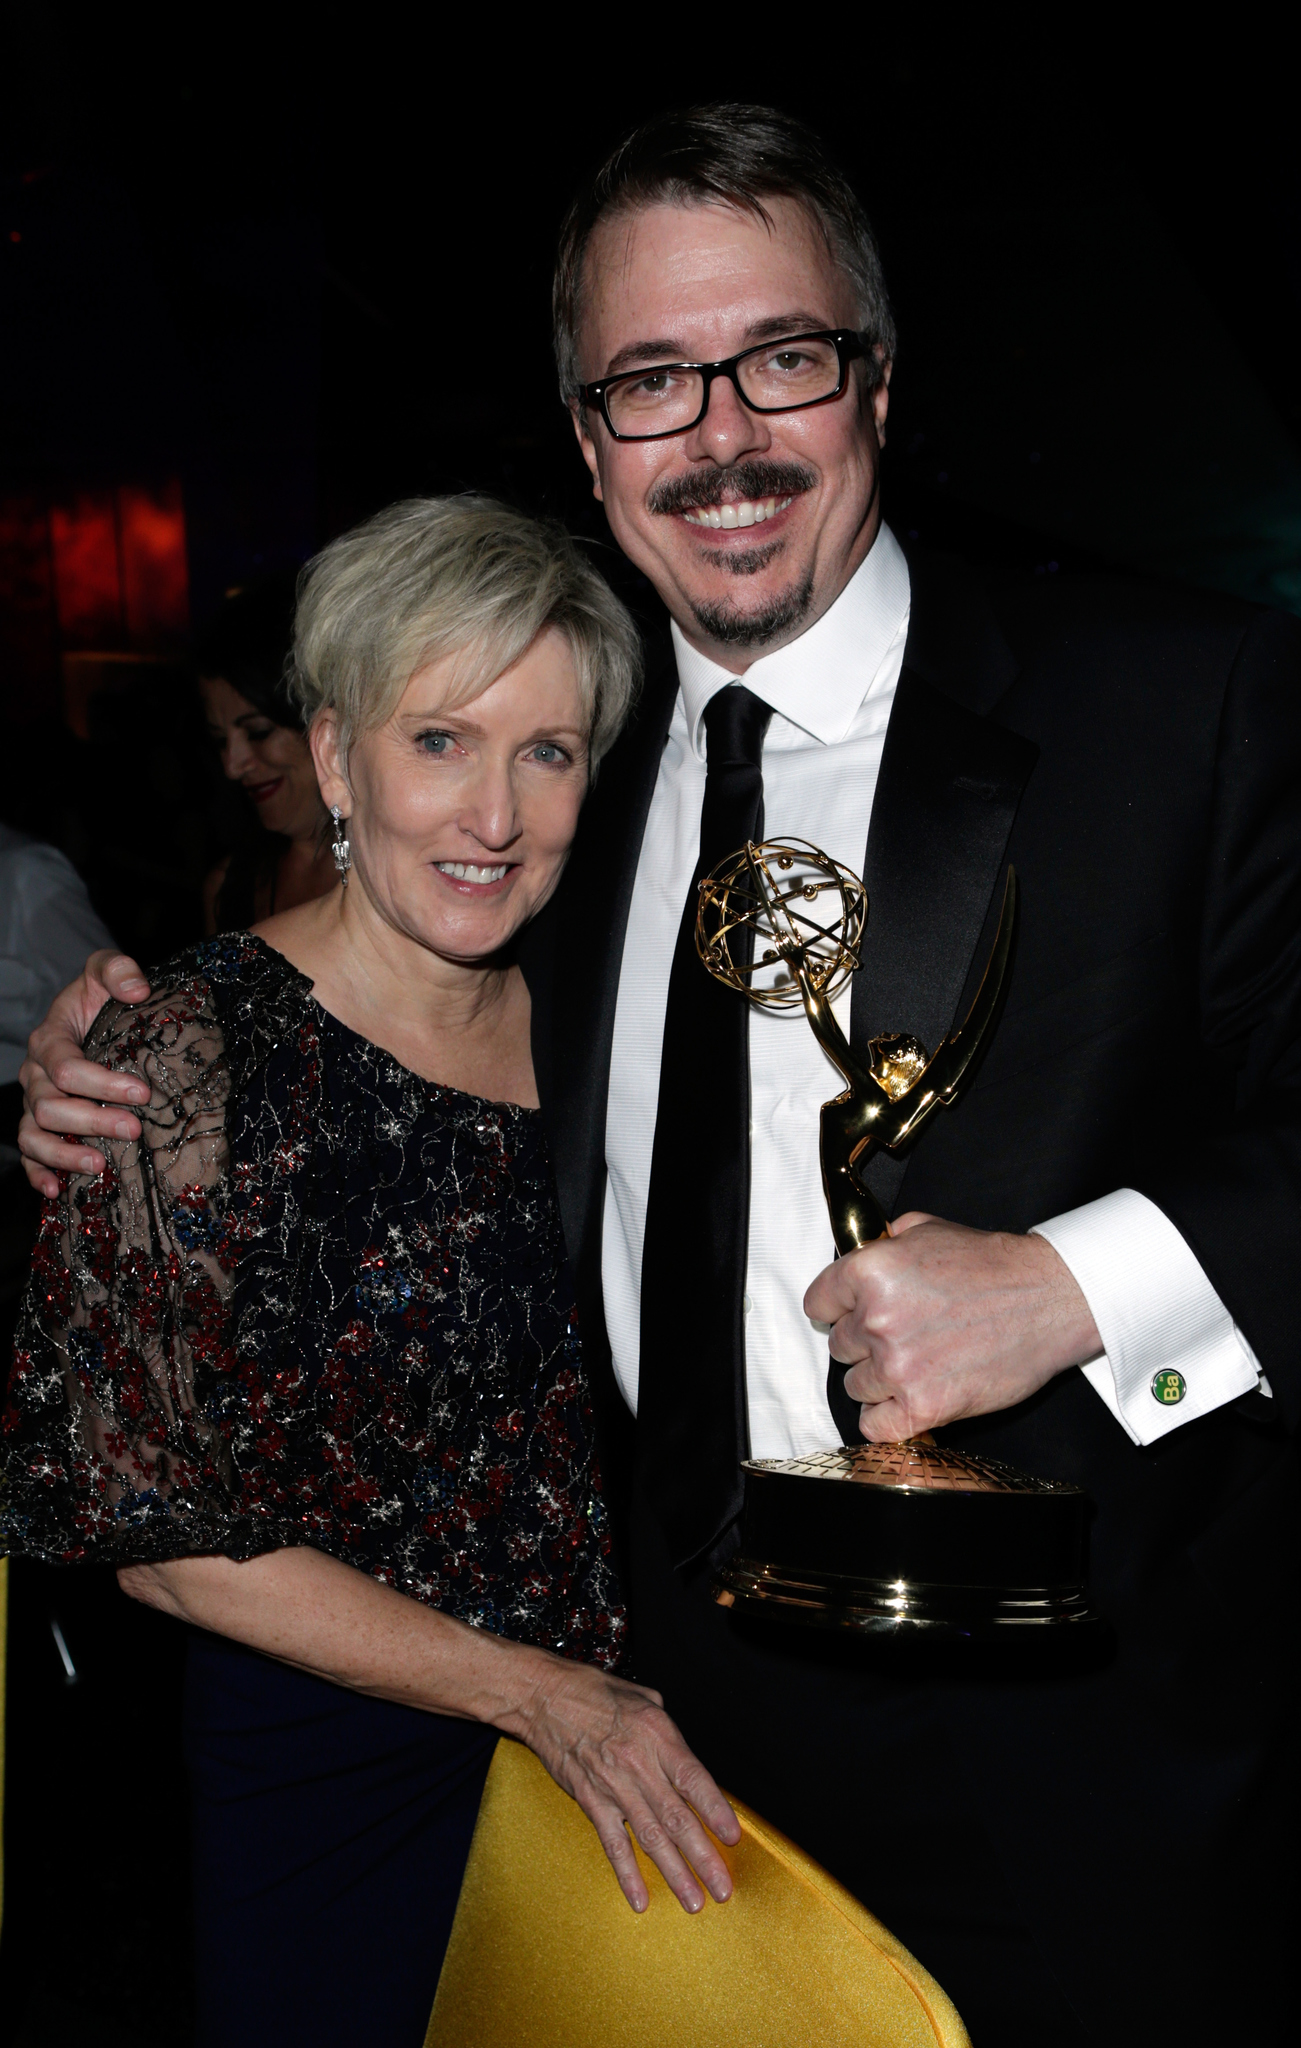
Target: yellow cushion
[545,1951]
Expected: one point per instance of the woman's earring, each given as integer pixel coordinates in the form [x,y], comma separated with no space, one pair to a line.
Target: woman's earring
[341,850]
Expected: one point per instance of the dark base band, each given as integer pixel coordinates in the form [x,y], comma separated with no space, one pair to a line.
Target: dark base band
[896,1606]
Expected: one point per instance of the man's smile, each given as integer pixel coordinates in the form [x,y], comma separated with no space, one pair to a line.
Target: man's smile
[746,493]
[742,512]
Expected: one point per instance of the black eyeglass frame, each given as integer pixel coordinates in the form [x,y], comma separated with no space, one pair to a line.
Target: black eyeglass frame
[850,345]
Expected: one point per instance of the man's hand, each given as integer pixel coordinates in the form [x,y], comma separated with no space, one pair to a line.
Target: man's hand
[64,1092]
[938,1322]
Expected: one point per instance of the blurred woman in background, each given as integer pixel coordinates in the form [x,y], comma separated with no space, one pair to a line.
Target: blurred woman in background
[258,730]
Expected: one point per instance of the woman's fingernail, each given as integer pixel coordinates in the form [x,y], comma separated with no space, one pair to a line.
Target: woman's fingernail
[135,988]
[123,1129]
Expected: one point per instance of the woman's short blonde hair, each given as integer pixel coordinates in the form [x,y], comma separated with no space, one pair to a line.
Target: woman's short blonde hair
[463,576]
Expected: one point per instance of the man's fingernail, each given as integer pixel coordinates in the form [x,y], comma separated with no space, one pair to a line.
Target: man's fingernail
[123,1129]
[91,1162]
[135,988]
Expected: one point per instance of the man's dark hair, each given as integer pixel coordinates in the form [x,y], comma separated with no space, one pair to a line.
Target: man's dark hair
[729,155]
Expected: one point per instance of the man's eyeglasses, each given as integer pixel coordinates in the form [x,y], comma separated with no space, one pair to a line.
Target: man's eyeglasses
[777,376]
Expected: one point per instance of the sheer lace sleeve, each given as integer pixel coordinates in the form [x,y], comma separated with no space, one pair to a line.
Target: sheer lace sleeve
[106,1451]
[322,1302]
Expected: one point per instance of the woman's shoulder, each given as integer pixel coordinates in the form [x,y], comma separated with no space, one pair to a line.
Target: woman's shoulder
[217,1003]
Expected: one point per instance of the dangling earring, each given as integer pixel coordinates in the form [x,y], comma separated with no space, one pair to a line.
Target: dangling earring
[341,850]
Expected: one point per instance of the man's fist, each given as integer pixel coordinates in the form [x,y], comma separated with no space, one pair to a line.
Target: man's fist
[938,1321]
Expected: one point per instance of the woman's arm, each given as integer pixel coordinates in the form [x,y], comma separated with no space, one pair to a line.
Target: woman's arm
[608,1743]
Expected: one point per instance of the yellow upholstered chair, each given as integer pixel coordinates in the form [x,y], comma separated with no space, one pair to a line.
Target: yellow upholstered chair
[545,1952]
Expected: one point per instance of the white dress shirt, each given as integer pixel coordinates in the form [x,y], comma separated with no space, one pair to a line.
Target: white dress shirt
[831,692]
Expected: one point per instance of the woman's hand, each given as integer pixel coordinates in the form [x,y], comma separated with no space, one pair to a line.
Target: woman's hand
[616,1752]
[607,1743]
[64,1092]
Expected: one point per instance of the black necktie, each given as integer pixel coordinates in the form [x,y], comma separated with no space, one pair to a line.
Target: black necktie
[691,1417]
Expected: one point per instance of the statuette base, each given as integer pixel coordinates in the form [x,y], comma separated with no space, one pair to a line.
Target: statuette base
[897,1607]
[896,1539]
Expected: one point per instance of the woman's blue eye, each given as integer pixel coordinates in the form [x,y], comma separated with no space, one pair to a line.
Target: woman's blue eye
[435,742]
[549,752]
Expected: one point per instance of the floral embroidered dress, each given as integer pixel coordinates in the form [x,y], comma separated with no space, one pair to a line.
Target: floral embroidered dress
[321,1302]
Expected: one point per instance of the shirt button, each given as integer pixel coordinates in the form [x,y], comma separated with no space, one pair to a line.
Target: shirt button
[747,1304]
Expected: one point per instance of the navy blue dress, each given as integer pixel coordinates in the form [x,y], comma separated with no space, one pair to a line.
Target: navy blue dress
[320,1302]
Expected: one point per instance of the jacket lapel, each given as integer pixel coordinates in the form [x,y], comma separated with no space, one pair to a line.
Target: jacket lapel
[589,918]
[950,782]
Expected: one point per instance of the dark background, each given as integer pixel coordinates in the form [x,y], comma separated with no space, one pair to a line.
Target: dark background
[252,292]
[258,280]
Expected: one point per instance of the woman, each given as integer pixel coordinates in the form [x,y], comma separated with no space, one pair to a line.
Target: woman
[303,1360]
[256,725]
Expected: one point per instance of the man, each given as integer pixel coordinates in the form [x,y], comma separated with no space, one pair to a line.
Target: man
[1081,1848]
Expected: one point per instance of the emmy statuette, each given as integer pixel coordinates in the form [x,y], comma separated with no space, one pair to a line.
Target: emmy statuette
[878,1538]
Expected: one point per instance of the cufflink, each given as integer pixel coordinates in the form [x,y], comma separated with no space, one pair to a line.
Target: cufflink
[1168,1387]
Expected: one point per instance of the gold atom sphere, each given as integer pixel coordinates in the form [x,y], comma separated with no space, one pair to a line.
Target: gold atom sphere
[775,910]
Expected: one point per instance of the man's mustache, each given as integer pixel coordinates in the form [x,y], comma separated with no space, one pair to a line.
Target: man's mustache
[751,479]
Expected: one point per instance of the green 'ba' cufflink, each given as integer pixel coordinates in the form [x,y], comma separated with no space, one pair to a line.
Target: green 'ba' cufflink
[1168,1387]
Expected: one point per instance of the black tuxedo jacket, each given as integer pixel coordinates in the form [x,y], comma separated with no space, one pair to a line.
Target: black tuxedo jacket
[1135,752]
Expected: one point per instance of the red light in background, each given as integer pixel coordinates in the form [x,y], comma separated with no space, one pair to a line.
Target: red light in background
[94,587]
[155,576]
[87,572]
[120,571]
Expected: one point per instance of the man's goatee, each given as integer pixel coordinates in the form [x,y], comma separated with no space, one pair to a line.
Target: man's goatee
[729,626]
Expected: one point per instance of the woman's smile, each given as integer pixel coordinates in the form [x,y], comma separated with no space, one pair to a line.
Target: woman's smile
[469,879]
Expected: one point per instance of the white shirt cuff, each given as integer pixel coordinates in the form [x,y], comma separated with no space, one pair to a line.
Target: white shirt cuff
[1171,1350]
